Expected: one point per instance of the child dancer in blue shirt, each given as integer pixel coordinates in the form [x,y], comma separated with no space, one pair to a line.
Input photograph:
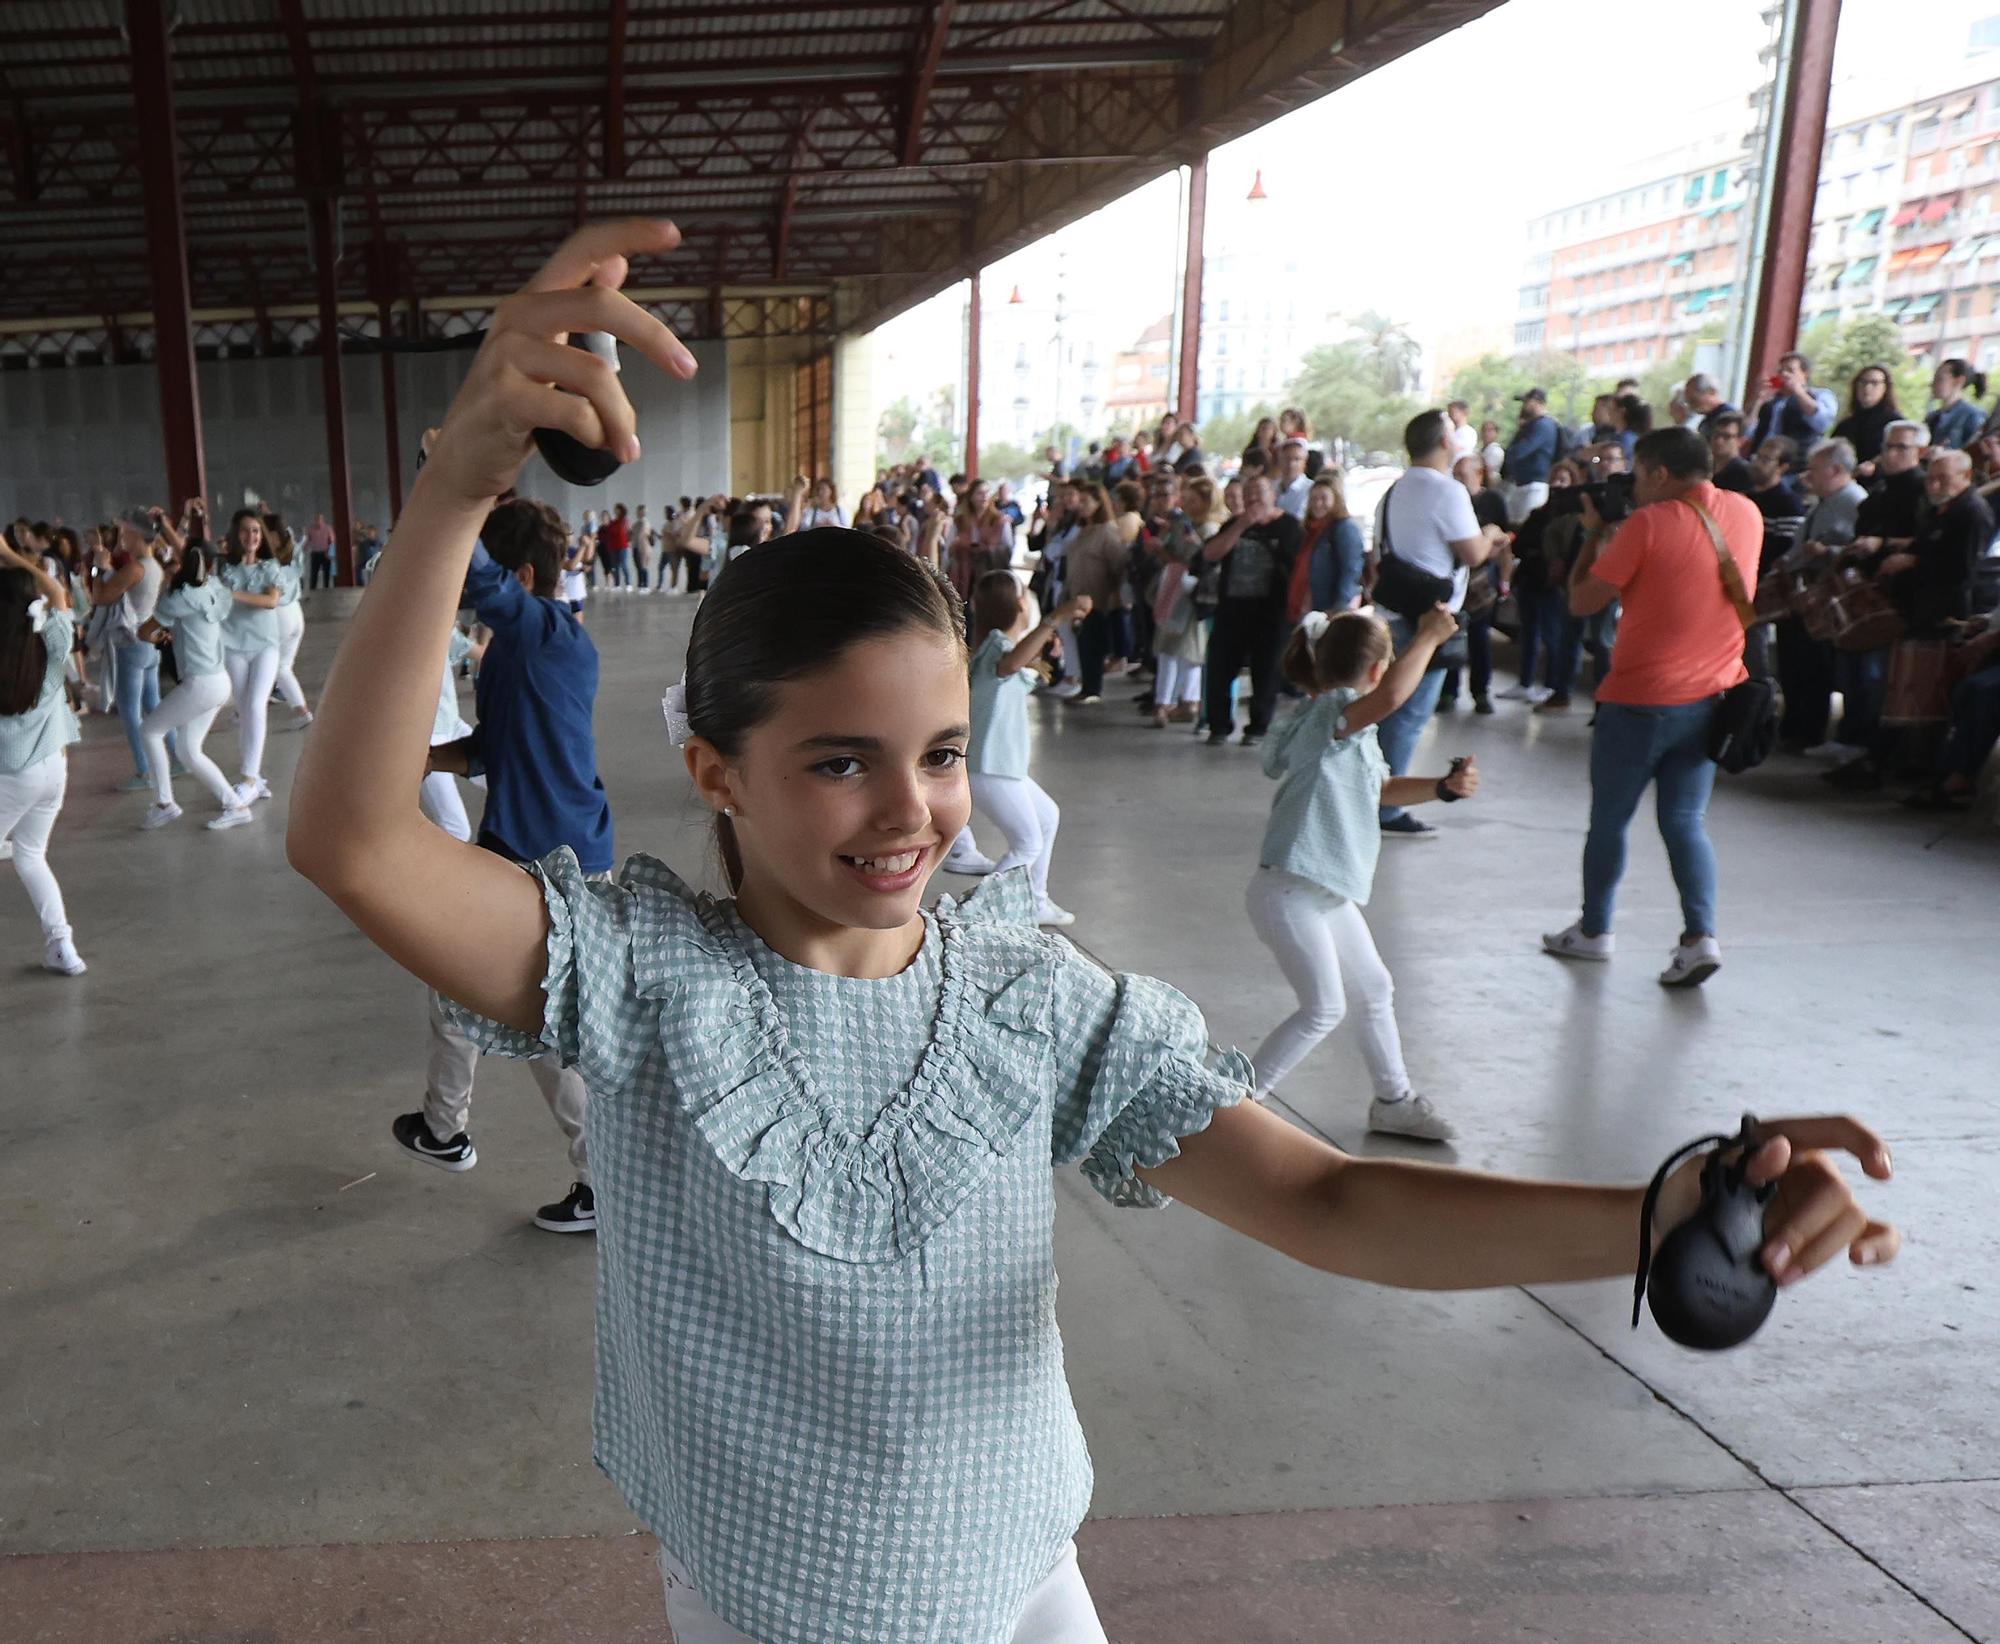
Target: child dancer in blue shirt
[823,1119]
[1317,865]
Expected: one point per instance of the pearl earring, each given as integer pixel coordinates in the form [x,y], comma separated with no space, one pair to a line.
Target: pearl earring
[729,810]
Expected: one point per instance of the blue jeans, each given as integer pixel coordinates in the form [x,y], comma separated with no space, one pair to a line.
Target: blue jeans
[1859,676]
[1630,747]
[136,677]
[1399,732]
[1541,614]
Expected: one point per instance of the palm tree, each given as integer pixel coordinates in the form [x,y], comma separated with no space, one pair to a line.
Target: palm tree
[1394,351]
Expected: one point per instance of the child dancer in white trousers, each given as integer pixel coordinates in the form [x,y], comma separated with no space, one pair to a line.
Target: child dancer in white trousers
[193,609]
[1316,867]
[37,725]
[1009,638]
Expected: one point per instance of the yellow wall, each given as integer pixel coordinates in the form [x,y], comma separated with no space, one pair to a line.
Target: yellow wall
[854,416]
[761,454]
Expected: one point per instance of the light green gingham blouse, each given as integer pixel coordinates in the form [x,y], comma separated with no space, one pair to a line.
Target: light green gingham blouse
[250,627]
[829,1376]
[46,726]
[1323,825]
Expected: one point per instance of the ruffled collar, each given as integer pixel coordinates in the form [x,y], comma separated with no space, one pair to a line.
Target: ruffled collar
[986,1070]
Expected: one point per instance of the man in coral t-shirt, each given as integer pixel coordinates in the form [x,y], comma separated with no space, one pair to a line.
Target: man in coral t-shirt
[1680,646]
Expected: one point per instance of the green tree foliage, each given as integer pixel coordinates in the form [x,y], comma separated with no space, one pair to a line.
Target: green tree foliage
[1392,351]
[1491,384]
[1839,348]
[1224,437]
[1339,386]
[895,432]
[1002,461]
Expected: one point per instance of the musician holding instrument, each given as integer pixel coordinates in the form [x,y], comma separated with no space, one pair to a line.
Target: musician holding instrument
[1931,584]
[1807,664]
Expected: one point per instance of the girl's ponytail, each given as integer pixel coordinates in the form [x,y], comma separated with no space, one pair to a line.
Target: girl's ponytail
[1297,664]
[24,659]
[193,569]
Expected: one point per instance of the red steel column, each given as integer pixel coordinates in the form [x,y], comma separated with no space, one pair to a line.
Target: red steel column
[1187,392]
[166,241]
[385,312]
[972,382]
[385,325]
[1805,82]
[320,203]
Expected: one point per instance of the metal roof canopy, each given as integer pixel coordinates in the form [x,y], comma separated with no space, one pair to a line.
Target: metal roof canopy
[870,153]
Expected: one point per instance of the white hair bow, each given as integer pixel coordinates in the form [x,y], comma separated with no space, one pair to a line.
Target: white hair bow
[675,706]
[38,615]
[1313,624]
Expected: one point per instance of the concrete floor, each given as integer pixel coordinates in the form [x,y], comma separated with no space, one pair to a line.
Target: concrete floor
[263,1379]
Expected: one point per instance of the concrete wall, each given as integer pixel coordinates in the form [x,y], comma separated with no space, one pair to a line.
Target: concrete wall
[855,415]
[84,444]
[762,396]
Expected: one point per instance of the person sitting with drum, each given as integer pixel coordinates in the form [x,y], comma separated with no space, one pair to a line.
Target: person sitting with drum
[1975,720]
[1931,583]
[1806,661]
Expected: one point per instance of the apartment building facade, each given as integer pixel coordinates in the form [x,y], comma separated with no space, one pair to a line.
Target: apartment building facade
[1906,223]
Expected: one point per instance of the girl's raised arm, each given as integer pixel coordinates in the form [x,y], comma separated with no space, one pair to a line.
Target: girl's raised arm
[1405,674]
[464,921]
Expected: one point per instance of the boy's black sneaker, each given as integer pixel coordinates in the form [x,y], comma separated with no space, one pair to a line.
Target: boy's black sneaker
[415,1136]
[576,1214]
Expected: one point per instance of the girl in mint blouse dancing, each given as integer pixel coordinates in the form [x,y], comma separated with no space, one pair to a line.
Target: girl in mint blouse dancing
[1316,868]
[1009,639]
[37,635]
[823,1119]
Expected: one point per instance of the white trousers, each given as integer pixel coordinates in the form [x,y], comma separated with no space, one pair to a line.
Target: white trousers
[1028,817]
[251,676]
[448,1089]
[1059,1611]
[190,707]
[1523,500]
[1176,682]
[30,801]
[291,629]
[443,804]
[1321,939]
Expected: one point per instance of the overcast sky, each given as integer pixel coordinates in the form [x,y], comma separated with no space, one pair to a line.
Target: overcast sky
[1411,190]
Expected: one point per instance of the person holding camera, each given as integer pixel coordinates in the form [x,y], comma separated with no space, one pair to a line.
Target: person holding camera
[1790,406]
[1428,540]
[1680,647]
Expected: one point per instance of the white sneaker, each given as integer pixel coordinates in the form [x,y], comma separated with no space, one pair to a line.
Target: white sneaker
[251,789]
[234,817]
[158,816]
[1538,694]
[60,956]
[1839,752]
[1514,693]
[1067,689]
[300,720]
[1047,913]
[1413,1117]
[1692,963]
[969,864]
[1573,944]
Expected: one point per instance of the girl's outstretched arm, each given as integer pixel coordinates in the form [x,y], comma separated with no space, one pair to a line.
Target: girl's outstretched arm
[1428,1227]
[460,918]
